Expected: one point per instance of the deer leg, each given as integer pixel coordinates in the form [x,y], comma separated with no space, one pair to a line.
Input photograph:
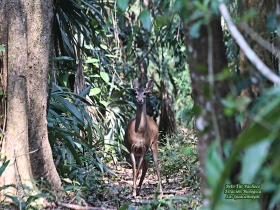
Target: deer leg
[133,163]
[154,149]
[145,167]
[141,161]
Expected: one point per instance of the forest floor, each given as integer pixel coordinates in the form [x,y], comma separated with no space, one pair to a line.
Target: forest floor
[180,180]
[179,167]
[173,190]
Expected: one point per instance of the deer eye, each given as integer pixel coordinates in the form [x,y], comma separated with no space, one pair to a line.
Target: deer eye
[145,93]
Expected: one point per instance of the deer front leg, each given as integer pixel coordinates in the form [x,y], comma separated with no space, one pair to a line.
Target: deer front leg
[133,163]
[141,161]
[155,157]
[145,167]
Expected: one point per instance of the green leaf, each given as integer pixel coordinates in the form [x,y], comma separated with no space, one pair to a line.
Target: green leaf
[70,107]
[103,46]
[122,5]
[213,164]
[194,30]
[7,186]
[92,60]
[264,127]
[89,134]
[249,14]
[94,91]
[251,162]
[104,76]
[33,198]
[3,167]
[14,199]
[70,145]
[145,18]
[71,188]
[117,94]
[186,150]
[125,206]
[104,103]
[2,48]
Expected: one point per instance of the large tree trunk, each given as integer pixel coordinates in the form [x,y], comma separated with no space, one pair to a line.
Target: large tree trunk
[27,39]
[211,123]
[258,24]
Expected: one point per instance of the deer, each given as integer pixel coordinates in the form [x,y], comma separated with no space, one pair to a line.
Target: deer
[141,135]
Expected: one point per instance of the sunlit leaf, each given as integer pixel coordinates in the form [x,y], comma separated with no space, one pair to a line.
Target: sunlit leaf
[103,46]
[94,91]
[104,103]
[92,60]
[67,180]
[104,76]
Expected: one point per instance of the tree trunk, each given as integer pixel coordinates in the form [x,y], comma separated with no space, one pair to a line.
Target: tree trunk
[258,24]
[211,124]
[26,145]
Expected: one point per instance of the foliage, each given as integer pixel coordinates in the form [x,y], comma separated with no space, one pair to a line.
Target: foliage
[113,40]
[86,130]
[258,146]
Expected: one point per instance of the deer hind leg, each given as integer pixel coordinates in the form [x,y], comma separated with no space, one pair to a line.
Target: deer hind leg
[145,167]
[154,148]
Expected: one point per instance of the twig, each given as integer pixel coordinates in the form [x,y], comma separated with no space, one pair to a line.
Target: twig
[256,37]
[74,197]
[251,55]
[27,153]
[77,207]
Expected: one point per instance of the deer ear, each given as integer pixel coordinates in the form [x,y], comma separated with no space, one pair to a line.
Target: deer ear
[149,86]
[135,84]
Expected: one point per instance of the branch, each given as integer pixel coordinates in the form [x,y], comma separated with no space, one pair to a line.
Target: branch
[251,55]
[77,207]
[261,41]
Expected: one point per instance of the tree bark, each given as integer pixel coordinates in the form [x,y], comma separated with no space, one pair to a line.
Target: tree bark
[211,123]
[39,16]
[26,61]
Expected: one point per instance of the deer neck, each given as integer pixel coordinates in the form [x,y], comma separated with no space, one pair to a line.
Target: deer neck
[141,118]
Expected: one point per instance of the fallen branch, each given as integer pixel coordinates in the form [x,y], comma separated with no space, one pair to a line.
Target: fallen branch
[251,55]
[77,207]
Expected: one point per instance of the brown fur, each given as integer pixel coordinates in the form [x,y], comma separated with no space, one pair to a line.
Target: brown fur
[141,135]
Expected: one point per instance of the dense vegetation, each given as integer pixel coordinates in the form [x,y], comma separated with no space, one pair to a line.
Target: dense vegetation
[98,48]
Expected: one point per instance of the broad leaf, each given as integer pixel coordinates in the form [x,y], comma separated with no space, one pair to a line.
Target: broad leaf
[145,18]
[122,5]
[3,167]
[104,76]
